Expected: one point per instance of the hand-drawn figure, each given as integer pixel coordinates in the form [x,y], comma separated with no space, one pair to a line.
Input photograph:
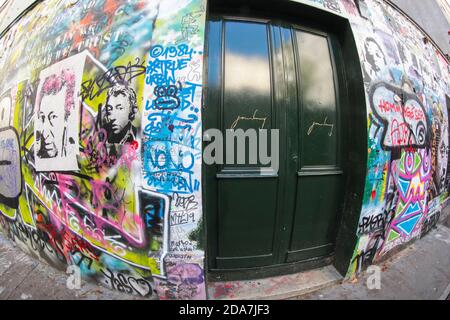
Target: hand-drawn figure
[375,60]
[120,111]
[56,118]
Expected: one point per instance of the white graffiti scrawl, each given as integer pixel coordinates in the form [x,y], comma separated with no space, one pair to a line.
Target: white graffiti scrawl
[402,115]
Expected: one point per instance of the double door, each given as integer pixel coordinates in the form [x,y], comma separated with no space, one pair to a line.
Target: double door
[267,75]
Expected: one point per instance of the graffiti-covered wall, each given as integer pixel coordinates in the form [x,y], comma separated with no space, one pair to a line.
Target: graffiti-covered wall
[406,81]
[101,137]
[100,141]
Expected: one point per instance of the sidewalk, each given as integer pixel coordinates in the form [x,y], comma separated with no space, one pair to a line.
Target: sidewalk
[421,271]
[24,277]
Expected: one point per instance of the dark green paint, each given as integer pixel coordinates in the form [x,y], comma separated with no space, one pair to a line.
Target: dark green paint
[255,225]
[250,212]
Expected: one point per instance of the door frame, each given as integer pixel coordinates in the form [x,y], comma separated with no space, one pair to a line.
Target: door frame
[354,160]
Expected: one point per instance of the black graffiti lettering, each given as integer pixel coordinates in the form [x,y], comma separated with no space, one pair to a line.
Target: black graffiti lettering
[166,97]
[181,217]
[182,245]
[429,223]
[127,283]
[39,240]
[365,258]
[93,88]
[187,203]
[372,223]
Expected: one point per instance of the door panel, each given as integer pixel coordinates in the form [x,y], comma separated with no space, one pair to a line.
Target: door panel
[245,204]
[313,230]
[318,114]
[247,84]
[245,198]
[319,179]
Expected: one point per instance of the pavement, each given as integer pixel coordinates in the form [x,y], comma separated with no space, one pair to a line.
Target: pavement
[421,271]
[23,277]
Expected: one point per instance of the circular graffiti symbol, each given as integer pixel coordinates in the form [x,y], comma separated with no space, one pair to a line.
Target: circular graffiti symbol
[156,51]
[420,133]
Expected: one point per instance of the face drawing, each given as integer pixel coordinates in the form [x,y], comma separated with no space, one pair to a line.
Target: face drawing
[120,111]
[117,113]
[49,129]
[55,108]
[374,55]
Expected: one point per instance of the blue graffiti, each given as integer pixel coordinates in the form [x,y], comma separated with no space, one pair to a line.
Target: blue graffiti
[170,166]
[164,63]
[169,143]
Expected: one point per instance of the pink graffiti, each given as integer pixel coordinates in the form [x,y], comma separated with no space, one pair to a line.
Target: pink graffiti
[54,83]
[416,178]
[401,115]
[93,223]
[96,150]
[190,273]
[129,155]
[185,281]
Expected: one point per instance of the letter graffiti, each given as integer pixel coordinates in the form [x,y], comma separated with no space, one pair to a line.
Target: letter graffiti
[127,283]
[169,164]
[402,116]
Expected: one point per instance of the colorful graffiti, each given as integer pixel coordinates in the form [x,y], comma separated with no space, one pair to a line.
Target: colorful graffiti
[75,140]
[402,116]
[407,131]
[101,137]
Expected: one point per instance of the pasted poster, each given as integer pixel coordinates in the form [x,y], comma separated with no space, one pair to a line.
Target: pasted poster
[56,120]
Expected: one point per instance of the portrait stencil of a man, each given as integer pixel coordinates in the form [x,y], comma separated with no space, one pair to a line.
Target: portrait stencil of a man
[375,60]
[120,111]
[56,116]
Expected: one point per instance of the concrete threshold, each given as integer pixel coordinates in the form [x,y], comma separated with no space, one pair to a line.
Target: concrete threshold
[275,288]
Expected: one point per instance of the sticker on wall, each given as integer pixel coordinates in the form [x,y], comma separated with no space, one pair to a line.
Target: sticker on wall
[56,119]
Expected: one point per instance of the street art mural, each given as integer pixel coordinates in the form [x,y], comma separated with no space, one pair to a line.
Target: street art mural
[406,81]
[100,139]
[56,117]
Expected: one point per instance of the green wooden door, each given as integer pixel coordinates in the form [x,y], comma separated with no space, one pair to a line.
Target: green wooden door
[265,75]
[315,169]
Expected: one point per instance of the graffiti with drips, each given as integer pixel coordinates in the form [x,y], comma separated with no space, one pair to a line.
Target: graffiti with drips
[169,162]
[172,147]
[402,116]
